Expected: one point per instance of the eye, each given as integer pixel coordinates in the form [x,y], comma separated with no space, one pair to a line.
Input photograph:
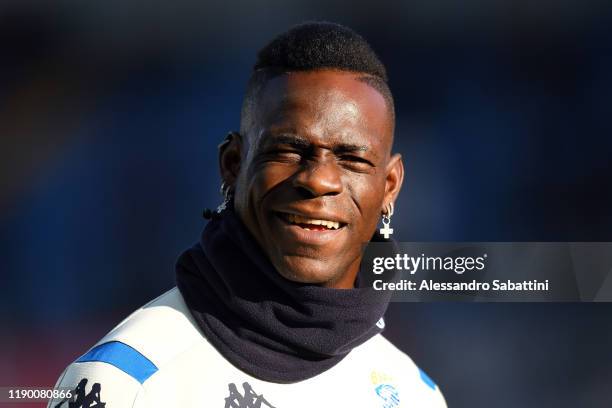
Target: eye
[283,155]
[356,162]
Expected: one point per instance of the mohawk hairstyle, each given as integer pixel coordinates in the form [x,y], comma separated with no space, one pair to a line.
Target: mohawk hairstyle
[312,46]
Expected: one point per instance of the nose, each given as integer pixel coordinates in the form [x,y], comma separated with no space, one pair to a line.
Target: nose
[319,178]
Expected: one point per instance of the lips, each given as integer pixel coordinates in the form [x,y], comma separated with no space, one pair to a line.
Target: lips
[311,223]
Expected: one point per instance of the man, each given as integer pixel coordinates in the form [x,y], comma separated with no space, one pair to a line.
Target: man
[268,310]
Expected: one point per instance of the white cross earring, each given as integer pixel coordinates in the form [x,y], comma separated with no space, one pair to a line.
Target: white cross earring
[386,230]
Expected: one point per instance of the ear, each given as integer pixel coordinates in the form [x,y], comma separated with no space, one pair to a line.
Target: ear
[394,179]
[230,158]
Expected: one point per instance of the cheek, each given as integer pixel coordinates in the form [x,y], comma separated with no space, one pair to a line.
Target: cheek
[368,195]
[266,177]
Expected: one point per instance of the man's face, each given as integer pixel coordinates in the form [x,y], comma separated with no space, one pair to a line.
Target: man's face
[315,173]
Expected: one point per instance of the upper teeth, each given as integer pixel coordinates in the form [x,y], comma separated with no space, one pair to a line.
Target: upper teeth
[296,219]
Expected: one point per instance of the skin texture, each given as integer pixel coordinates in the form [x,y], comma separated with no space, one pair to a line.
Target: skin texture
[319,147]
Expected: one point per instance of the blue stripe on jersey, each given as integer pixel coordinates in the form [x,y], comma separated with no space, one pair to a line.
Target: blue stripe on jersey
[427,380]
[122,356]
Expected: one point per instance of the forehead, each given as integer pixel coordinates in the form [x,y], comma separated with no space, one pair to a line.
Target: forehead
[326,105]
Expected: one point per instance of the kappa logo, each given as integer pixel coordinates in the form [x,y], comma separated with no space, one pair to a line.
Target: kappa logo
[81,400]
[250,399]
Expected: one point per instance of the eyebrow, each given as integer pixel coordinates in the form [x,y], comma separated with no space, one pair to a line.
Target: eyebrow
[291,140]
[302,143]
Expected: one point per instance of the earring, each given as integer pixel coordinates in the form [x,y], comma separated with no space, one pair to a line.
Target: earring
[226,192]
[386,230]
[228,138]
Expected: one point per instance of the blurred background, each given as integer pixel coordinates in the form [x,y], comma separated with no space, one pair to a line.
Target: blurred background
[110,114]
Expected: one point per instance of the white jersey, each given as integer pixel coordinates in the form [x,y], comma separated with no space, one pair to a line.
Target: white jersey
[158,357]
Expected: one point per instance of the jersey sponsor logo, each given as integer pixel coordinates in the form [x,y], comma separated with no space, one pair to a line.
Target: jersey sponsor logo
[80,399]
[384,389]
[250,399]
[388,394]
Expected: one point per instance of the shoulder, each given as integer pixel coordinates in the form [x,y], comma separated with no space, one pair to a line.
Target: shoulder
[160,330]
[118,365]
[391,366]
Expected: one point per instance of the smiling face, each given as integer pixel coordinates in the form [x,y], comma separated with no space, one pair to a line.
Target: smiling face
[314,172]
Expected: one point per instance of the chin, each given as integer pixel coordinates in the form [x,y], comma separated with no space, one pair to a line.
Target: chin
[304,270]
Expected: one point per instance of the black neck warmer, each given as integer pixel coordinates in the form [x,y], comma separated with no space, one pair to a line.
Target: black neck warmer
[267,326]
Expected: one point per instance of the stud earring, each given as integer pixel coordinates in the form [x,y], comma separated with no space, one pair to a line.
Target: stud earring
[228,138]
[386,230]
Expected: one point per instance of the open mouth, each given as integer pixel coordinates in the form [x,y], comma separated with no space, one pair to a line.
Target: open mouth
[310,224]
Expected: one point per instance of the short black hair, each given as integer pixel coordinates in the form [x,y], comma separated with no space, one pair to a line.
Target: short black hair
[312,46]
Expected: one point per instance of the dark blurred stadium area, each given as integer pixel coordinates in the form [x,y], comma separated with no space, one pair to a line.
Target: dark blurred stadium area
[110,114]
